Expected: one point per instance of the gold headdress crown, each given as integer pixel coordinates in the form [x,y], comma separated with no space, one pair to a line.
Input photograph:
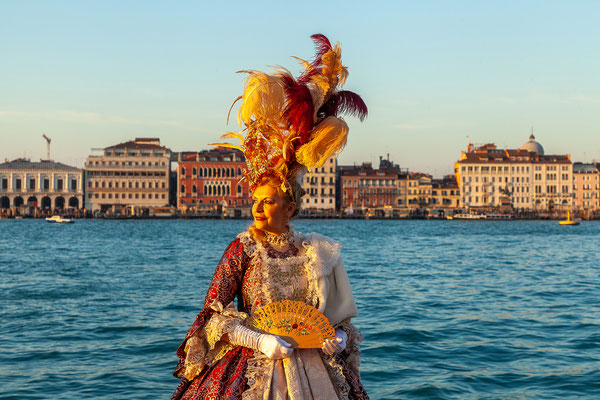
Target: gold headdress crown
[294,123]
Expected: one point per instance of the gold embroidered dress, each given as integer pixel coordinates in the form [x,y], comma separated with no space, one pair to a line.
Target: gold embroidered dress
[311,272]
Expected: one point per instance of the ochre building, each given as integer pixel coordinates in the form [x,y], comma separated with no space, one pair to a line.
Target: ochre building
[320,187]
[523,178]
[130,174]
[586,187]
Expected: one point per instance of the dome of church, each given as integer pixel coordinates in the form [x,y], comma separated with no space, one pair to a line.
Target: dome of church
[533,146]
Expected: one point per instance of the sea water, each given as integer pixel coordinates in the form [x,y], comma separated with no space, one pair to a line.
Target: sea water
[448,309]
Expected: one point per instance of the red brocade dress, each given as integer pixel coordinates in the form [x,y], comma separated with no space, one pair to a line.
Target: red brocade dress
[256,275]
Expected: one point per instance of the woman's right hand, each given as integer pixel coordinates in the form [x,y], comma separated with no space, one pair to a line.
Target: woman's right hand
[274,347]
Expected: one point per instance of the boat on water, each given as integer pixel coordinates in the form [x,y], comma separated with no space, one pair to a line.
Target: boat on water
[467,216]
[569,221]
[57,219]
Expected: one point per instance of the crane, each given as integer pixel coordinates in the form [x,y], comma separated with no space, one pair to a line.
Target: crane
[48,140]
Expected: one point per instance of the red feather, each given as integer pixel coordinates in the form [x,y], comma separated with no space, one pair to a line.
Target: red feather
[299,108]
[307,75]
[344,102]
[322,46]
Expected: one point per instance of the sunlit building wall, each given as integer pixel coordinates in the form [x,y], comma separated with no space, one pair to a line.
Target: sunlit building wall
[586,186]
[212,178]
[45,184]
[527,178]
[134,173]
[319,185]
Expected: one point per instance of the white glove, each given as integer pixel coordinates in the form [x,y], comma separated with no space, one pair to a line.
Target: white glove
[270,345]
[336,345]
[274,347]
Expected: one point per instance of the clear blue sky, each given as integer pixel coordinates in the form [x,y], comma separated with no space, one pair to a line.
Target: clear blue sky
[93,74]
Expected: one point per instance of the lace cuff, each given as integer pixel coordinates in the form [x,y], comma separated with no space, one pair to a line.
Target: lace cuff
[350,356]
[352,351]
[205,346]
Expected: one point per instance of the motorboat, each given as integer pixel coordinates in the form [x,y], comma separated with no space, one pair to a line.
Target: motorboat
[57,219]
[469,216]
[569,221]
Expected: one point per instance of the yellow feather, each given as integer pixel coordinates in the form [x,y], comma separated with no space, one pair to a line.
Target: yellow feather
[305,64]
[319,86]
[233,146]
[327,138]
[263,98]
[343,76]
[332,65]
[230,135]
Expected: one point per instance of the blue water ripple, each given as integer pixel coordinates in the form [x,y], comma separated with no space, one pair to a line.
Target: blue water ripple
[448,309]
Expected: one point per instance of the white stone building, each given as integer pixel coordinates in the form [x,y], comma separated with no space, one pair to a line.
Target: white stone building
[45,184]
[525,178]
[134,173]
[320,188]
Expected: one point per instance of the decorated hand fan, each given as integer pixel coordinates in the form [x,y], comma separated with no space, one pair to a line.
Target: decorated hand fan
[297,323]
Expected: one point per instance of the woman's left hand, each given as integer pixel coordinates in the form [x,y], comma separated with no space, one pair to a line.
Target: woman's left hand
[331,346]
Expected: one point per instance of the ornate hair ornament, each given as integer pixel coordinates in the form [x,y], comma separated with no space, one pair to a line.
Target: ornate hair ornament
[291,124]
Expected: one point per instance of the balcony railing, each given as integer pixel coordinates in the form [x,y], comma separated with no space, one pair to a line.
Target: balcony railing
[125,167]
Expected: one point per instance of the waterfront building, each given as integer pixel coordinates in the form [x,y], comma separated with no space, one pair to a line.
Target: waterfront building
[445,193]
[130,174]
[320,187]
[212,178]
[45,184]
[367,190]
[419,187]
[586,187]
[524,178]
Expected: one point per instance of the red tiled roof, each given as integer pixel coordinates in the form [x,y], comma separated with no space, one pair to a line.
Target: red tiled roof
[138,144]
[512,155]
[215,155]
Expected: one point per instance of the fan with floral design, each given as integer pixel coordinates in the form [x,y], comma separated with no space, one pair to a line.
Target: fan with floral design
[297,323]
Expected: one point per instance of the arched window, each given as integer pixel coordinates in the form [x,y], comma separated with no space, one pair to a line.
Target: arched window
[239,189]
[227,172]
[210,192]
[210,173]
[204,173]
[200,172]
[239,171]
[231,172]
[182,188]
[228,190]
[182,171]
[194,171]
[194,189]
[219,190]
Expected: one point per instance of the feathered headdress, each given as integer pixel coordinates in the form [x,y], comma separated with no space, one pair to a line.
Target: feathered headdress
[294,123]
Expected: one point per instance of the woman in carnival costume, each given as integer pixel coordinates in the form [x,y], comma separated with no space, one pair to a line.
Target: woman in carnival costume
[290,125]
